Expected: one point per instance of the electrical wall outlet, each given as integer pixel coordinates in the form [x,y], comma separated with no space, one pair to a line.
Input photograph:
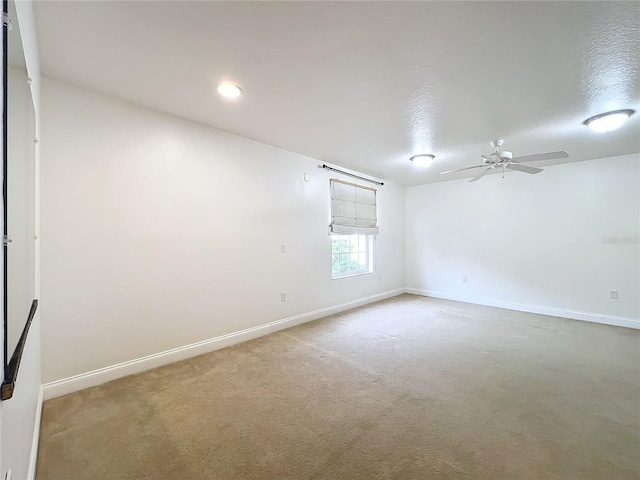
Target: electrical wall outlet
[283,296]
[464,280]
[613,294]
[283,248]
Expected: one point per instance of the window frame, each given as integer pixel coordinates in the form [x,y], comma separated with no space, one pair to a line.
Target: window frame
[369,251]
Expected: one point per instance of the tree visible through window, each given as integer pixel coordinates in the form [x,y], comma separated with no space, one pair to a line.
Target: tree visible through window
[351,255]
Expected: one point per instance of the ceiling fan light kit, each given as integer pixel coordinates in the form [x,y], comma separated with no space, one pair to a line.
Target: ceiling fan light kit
[609,121]
[504,159]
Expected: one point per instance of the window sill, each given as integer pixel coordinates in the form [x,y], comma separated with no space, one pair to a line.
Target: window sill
[347,275]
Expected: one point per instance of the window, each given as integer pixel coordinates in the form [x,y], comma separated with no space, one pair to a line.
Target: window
[354,222]
[351,255]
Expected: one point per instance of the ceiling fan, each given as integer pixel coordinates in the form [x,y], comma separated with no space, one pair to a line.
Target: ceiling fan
[505,159]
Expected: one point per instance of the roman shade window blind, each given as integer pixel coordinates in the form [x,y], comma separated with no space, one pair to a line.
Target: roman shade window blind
[353,209]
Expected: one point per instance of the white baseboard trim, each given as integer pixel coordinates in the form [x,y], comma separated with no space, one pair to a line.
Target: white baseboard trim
[325,312]
[541,309]
[103,375]
[33,457]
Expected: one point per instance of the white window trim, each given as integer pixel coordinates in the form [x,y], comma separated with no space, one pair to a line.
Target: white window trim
[372,259]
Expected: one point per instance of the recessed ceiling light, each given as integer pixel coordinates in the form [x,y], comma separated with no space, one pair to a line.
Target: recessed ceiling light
[422,160]
[606,122]
[229,90]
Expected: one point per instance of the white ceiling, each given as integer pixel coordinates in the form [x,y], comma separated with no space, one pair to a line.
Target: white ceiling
[365,85]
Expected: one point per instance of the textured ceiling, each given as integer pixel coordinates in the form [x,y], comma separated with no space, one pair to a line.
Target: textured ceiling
[365,85]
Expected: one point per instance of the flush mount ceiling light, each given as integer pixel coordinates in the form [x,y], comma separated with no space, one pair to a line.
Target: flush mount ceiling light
[422,160]
[229,90]
[607,122]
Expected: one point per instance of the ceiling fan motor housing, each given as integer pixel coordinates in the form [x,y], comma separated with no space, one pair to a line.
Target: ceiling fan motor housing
[505,155]
[498,157]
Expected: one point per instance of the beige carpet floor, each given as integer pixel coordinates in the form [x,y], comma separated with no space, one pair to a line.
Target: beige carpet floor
[408,388]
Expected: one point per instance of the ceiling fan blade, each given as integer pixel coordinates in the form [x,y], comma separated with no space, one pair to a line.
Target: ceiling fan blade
[523,168]
[462,169]
[480,175]
[541,156]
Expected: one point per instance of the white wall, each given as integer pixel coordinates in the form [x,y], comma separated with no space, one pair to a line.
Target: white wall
[19,414]
[533,242]
[158,233]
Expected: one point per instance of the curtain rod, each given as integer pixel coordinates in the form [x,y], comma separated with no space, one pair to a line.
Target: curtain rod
[327,167]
